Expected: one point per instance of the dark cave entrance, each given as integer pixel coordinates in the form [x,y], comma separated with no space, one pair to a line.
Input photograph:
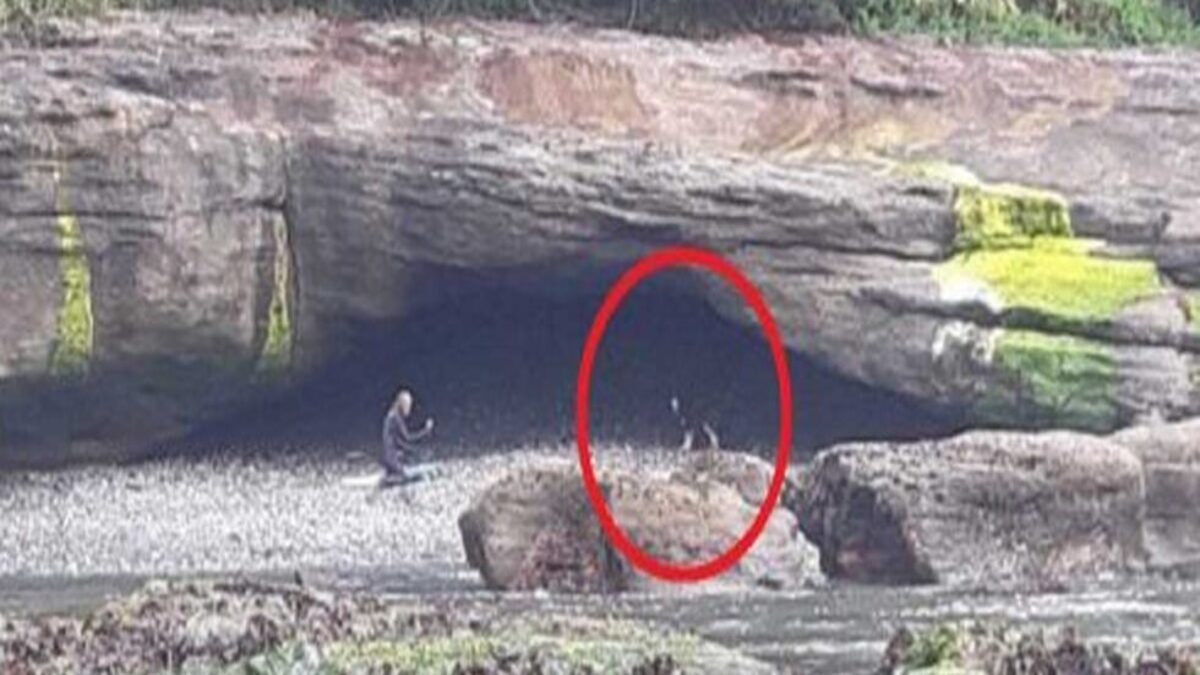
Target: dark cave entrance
[494,360]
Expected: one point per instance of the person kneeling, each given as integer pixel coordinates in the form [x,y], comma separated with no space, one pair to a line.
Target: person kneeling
[399,441]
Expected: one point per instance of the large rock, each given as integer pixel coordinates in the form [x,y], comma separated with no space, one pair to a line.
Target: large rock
[191,205]
[1170,455]
[994,508]
[535,528]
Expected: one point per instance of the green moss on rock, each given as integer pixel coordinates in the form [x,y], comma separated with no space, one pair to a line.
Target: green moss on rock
[1017,242]
[1056,277]
[934,650]
[996,216]
[1015,252]
[999,215]
[1052,380]
[1194,304]
[75,332]
[276,356]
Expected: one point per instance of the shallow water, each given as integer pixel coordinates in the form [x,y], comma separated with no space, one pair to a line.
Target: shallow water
[830,629]
[64,531]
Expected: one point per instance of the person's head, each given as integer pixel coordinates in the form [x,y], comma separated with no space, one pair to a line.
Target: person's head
[403,403]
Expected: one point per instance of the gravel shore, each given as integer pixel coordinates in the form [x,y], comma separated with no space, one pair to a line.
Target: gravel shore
[267,512]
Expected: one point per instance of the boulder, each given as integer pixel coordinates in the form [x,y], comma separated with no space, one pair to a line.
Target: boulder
[990,508]
[196,210]
[1170,455]
[535,528]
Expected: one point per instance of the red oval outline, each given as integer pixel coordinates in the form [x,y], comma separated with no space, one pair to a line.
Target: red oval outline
[643,268]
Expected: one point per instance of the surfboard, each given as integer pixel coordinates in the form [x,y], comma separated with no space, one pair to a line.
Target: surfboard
[366,480]
[374,479]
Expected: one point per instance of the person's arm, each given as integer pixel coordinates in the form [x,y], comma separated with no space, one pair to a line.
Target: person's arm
[414,436]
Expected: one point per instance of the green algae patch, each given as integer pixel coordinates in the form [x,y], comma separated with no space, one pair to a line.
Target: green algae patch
[1052,380]
[934,651]
[1056,277]
[997,216]
[1016,253]
[275,358]
[1194,310]
[75,327]
[1015,247]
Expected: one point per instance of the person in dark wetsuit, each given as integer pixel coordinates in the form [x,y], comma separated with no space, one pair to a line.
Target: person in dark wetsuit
[689,429]
[399,440]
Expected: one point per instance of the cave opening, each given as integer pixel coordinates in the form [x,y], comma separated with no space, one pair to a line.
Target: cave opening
[493,358]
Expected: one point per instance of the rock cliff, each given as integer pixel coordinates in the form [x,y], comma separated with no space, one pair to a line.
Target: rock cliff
[193,208]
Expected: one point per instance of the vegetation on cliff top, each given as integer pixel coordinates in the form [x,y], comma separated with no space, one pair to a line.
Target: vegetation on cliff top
[1042,22]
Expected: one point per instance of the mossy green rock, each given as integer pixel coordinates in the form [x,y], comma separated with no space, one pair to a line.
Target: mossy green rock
[276,356]
[73,345]
[1056,278]
[1053,294]
[996,216]
[1049,381]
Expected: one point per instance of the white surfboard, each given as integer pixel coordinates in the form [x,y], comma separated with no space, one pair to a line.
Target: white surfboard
[416,473]
[366,480]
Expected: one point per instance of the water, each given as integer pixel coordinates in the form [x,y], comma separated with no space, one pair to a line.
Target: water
[825,630]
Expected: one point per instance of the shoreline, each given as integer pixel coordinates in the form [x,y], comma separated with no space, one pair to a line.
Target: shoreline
[228,514]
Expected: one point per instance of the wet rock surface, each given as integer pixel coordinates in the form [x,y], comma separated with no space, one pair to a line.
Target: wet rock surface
[1005,648]
[244,626]
[987,508]
[535,527]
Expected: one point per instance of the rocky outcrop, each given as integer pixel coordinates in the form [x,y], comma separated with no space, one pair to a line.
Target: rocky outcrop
[994,508]
[245,626]
[194,207]
[988,646]
[1170,455]
[535,528]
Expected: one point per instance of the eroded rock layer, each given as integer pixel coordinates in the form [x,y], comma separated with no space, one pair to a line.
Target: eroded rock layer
[195,207]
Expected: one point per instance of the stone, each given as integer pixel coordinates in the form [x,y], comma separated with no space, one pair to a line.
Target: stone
[535,529]
[986,508]
[1170,456]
